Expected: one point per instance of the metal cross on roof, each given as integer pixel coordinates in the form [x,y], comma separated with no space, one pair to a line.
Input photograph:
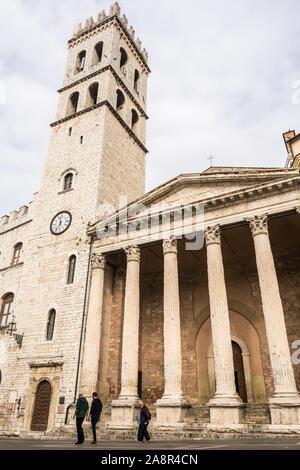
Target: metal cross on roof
[211,158]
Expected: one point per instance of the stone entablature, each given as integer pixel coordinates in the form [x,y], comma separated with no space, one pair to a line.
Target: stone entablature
[232,208]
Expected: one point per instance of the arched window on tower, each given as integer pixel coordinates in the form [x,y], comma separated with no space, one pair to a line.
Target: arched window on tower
[120,99]
[68,181]
[136,81]
[50,325]
[98,51]
[123,61]
[134,118]
[80,61]
[92,95]
[16,254]
[6,309]
[73,103]
[71,269]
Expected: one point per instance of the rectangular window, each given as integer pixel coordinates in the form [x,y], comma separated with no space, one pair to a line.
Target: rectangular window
[17,254]
[6,312]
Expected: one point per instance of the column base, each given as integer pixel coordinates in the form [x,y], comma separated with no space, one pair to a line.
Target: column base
[285,410]
[225,410]
[124,412]
[171,411]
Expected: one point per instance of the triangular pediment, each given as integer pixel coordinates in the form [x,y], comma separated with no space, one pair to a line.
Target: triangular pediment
[214,183]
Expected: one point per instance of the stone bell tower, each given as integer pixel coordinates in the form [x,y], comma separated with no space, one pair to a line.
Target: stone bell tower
[96,155]
[100,126]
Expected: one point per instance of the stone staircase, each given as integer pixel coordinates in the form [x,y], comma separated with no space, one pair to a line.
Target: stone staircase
[255,421]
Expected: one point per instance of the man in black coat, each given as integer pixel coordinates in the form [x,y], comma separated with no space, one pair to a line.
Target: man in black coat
[95,414]
[143,421]
[82,407]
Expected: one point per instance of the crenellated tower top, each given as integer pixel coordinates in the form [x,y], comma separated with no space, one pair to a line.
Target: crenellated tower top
[102,18]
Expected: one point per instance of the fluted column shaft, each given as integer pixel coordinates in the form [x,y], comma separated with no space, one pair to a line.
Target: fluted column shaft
[90,365]
[220,325]
[172,334]
[283,374]
[130,344]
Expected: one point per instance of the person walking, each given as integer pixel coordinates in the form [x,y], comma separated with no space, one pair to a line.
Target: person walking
[95,414]
[82,407]
[143,420]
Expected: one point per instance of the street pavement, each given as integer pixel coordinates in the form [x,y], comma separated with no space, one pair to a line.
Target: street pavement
[228,444]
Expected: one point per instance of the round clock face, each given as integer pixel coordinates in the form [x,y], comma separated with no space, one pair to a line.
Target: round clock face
[60,223]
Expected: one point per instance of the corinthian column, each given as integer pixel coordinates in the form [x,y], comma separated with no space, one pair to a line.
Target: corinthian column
[169,407]
[89,374]
[172,334]
[285,391]
[224,404]
[130,344]
[123,408]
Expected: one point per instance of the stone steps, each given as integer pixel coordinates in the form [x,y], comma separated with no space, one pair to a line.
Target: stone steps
[256,417]
[195,432]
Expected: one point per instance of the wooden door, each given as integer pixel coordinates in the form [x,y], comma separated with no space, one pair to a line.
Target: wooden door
[41,407]
[239,374]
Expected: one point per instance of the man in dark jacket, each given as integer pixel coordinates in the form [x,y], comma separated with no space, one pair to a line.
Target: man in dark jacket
[95,414]
[143,421]
[82,407]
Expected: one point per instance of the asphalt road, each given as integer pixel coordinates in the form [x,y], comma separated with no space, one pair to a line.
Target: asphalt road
[229,444]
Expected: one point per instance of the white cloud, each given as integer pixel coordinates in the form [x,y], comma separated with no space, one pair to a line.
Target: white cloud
[221,83]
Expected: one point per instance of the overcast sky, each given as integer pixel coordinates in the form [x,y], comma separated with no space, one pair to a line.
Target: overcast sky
[222,82]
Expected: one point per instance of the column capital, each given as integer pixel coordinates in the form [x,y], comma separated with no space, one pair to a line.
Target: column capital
[213,234]
[133,253]
[98,261]
[258,224]
[170,245]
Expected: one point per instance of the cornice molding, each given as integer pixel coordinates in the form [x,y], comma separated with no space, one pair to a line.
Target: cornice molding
[253,192]
[233,197]
[12,267]
[114,112]
[40,365]
[117,78]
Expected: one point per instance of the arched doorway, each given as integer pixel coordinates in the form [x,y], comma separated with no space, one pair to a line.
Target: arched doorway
[41,407]
[239,373]
[245,335]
